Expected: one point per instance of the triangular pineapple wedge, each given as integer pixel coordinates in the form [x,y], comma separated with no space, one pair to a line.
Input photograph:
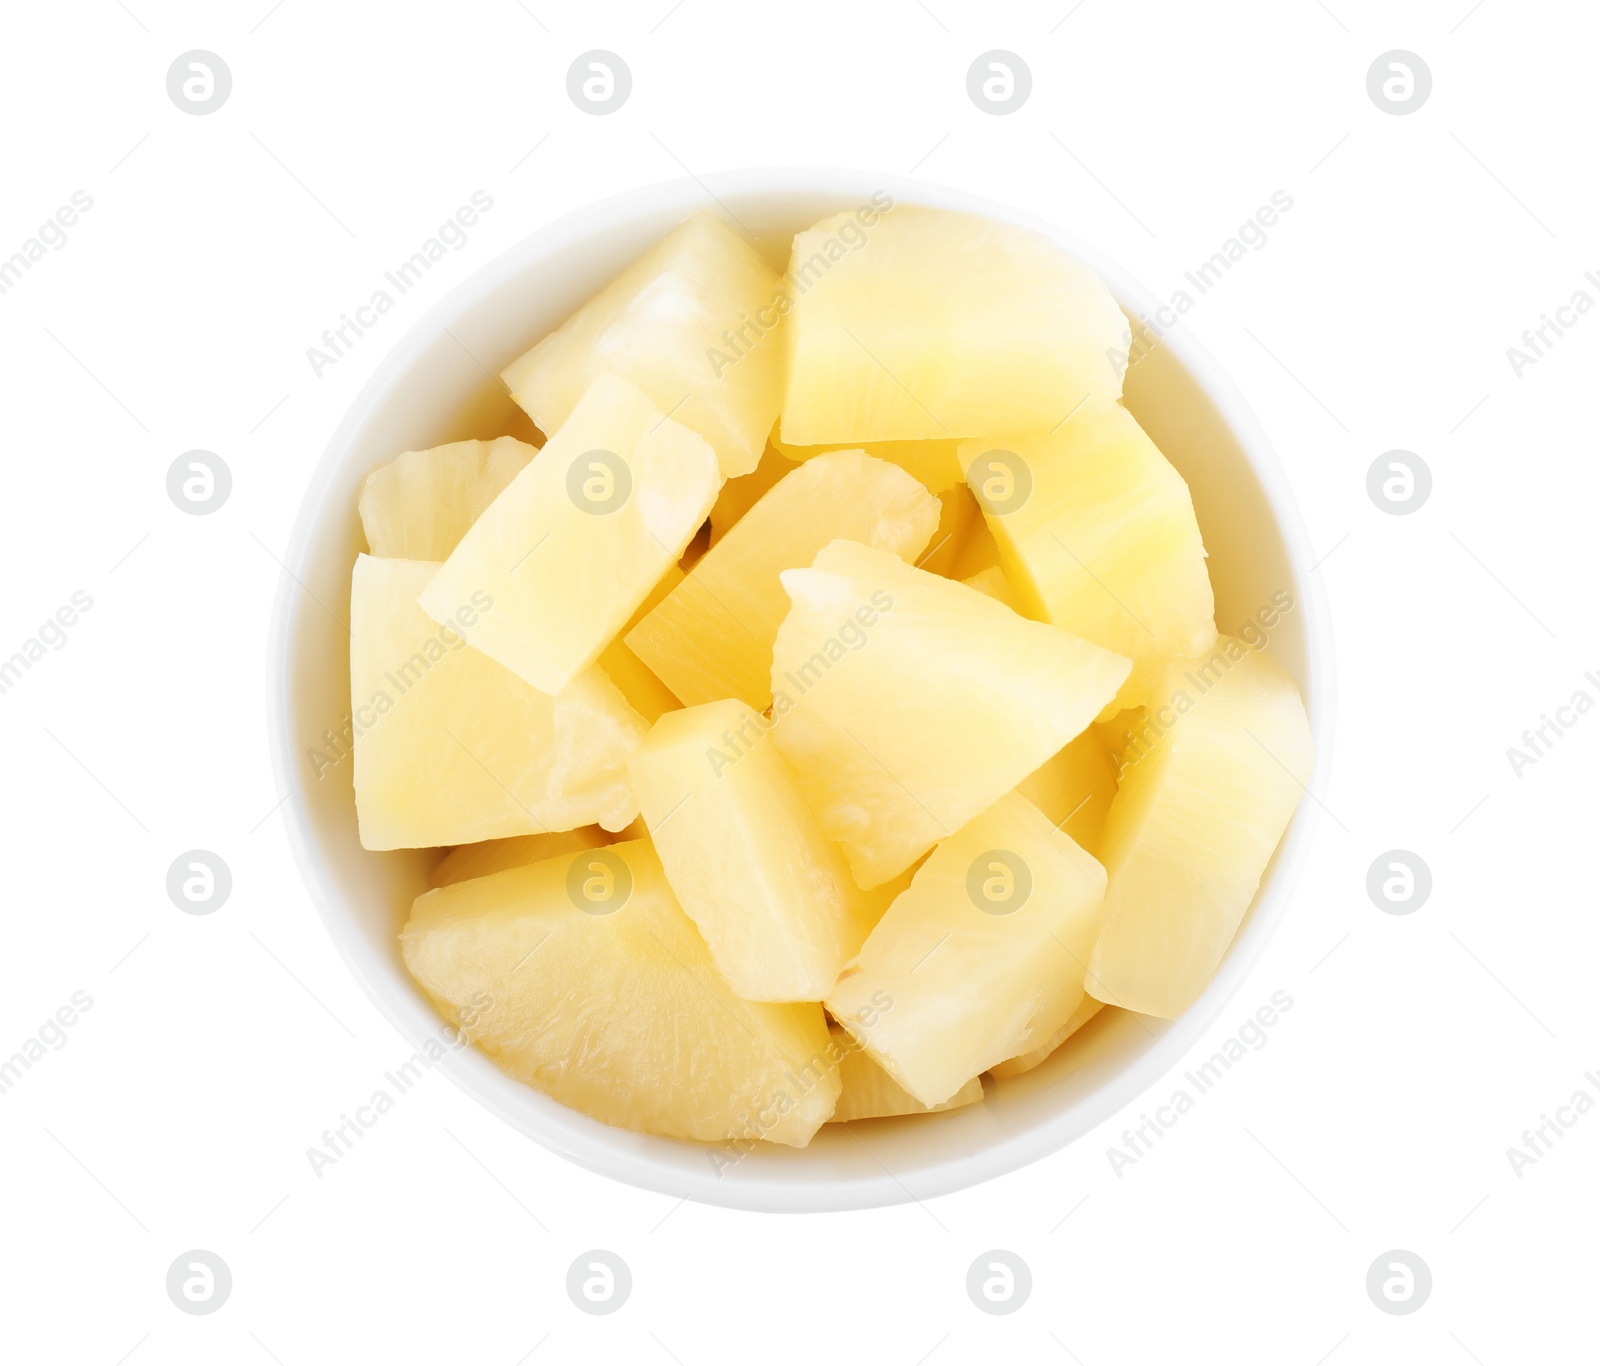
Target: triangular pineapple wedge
[564,556]
[930,326]
[908,703]
[1194,822]
[772,896]
[711,637]
[581,976]
[693,322]
[1097,535]
[420,504]
[981,958]
[451,748]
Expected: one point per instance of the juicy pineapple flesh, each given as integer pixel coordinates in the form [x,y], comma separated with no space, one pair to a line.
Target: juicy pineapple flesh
[771,894]
[581,976]
[994,696]
[940,326]
[566,554]
[846,645]
[1194,822]
[450,748]
[981,958]
[1097,534]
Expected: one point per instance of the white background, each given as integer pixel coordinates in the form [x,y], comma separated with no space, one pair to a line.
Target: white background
[1378,315]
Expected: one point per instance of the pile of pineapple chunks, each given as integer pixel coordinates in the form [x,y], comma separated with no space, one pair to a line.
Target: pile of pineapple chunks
[830,712]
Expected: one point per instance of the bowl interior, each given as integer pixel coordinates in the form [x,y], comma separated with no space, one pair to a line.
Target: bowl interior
[440,384]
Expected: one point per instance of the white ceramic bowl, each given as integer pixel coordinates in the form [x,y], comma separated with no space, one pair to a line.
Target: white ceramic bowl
[439,385]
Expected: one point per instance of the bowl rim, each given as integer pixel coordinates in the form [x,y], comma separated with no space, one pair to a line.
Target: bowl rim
[628,1160]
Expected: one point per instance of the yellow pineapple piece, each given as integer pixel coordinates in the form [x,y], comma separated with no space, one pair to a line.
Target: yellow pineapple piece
[932,464]
[1074,788]
[692,323]
[981,958]
[747,860]
[941,326]
[1194,823]
[1087,1009]
[646,693]
[908,703]
[582,977]
[577,540]
[1097,534]
[712,636]
[868,1092]
[739,495]
[451,748]
[467,861]
[420,504]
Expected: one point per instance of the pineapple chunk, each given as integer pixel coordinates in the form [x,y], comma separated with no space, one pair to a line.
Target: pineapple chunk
[908,703]
[739,495]
[941,326]
[693,323]
[932,464]
[452,749]
[1104,544]
[868,1092]
[467,861]
[981,959]
[1087,1009]
[1193,824]
[712,636]
[773,898]
[578,539]
[419,505]
[1074,788]
[646,693]
[581,976]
